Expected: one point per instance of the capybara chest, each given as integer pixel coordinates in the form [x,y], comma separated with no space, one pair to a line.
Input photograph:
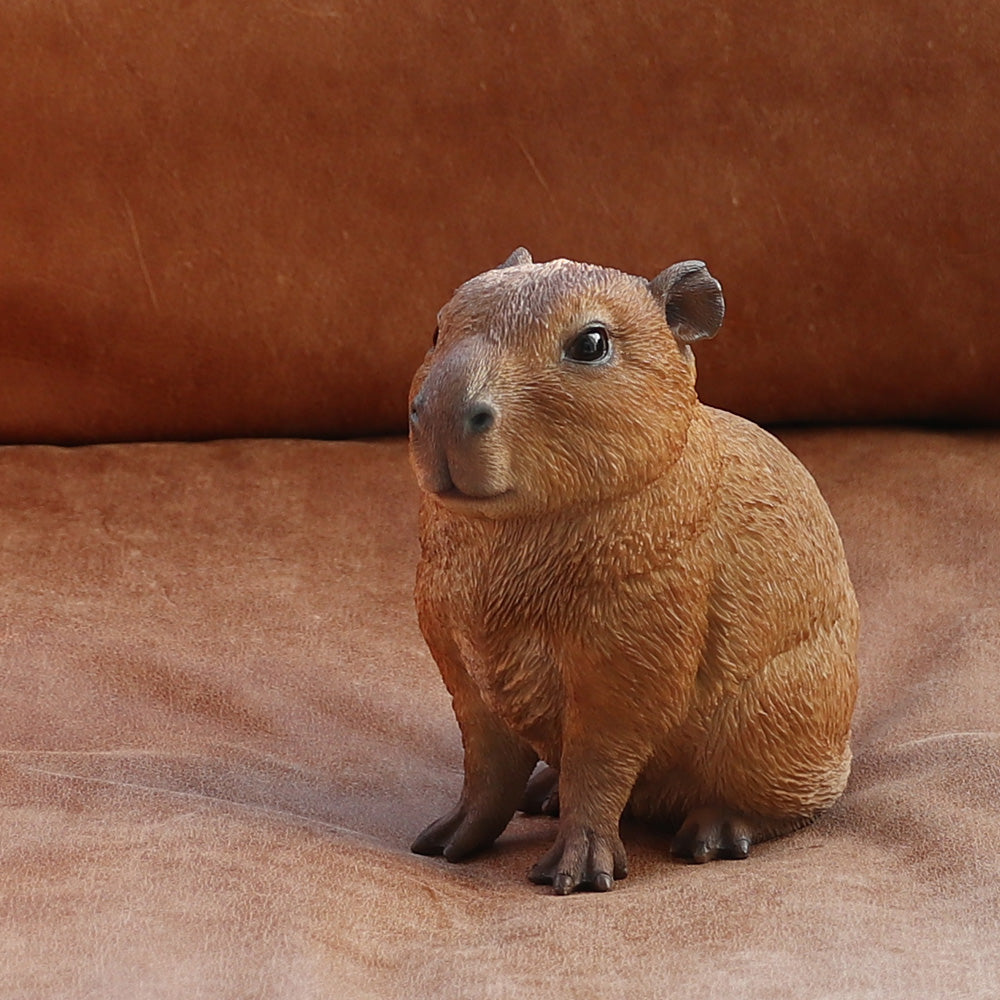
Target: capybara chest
[583,617]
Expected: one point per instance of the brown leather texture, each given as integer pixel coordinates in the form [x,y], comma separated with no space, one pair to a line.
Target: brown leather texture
[218,220]
[222,729]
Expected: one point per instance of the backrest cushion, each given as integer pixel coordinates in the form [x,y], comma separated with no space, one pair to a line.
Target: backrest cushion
[218,220]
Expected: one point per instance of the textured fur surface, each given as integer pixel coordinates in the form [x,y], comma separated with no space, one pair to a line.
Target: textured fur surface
[647,594]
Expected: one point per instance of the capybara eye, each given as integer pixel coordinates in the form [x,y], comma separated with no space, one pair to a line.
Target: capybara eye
[590,346]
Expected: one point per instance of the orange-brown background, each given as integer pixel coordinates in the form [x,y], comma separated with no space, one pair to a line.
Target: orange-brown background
[228,219]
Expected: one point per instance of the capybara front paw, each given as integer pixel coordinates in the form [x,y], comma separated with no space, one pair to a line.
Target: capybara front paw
[461,833]
[581,859]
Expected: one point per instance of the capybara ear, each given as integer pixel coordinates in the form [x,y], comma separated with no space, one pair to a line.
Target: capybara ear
[519,256]
[692,300]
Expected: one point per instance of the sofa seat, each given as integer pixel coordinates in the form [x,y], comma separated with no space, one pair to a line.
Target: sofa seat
[222,729]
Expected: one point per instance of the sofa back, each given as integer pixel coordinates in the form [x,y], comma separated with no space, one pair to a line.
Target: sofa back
[223,220]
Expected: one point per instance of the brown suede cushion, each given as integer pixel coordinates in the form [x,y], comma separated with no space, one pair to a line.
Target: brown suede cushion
[220,220]
[221,730]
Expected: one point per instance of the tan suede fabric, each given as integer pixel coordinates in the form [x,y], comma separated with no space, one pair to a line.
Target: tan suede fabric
[222,730]
[218,220]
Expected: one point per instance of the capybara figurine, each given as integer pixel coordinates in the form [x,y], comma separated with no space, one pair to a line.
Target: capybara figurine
[648,595]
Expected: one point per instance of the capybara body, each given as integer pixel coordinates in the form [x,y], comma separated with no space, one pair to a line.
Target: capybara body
[648,595]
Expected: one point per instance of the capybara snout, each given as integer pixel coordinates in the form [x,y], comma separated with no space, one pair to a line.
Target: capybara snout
[454,427]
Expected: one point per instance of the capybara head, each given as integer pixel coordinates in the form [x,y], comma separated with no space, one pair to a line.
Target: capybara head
[555,384]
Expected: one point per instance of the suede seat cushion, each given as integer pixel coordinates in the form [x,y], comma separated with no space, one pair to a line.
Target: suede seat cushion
[221,730]
[216,223]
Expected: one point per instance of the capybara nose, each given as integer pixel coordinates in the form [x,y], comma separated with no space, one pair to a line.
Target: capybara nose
[474,418]
[416,409]
[480,415]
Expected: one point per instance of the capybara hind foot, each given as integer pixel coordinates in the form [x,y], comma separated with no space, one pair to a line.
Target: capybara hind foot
[541,797]
[715,832]
[581,859]
[712,833]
